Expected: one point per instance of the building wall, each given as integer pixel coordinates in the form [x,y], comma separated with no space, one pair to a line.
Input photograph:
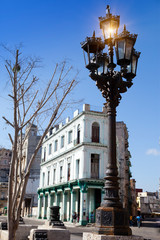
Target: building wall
[133,197]
[148,203]
[83,190]
[5,158]
[123,159]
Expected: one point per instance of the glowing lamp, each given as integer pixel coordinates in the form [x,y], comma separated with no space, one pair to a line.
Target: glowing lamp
[109,24]
[124,43]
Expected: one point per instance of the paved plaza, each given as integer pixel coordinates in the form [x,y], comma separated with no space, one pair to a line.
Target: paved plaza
[150,228]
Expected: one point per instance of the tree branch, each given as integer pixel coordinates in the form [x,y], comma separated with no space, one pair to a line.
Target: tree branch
[8,122]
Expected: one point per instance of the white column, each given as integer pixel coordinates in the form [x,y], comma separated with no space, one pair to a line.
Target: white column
[55,199]
[49,205]
[64,206]
[83,207]
[45,206]
[39,206]
[72,204]
[68,205]
[76,200]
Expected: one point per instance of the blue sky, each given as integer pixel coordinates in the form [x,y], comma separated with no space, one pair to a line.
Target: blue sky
[53,30]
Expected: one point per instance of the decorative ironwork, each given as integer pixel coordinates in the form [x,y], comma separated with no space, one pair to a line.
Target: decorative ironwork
[107,218]
[112,84]
[4,226]
[127,34]
[40,235]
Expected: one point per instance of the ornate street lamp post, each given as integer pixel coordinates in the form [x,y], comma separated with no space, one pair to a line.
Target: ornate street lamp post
[111,218]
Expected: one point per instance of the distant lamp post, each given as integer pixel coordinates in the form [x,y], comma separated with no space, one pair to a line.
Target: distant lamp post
[111,218]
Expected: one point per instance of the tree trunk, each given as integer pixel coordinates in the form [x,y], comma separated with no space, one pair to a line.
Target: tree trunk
[11,230]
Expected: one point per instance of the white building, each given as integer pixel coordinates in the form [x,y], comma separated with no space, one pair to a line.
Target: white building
[30,202]
[73,165]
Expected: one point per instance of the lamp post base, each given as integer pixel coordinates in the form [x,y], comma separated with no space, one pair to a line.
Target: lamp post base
[112,221]
[95,236]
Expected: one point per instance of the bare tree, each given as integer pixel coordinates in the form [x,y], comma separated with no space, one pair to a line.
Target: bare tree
[27,107]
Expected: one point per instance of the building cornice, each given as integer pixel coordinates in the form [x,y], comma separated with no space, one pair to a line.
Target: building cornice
[87,182]
[92,113]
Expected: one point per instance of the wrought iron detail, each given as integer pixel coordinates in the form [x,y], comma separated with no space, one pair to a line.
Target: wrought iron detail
[4,226]
[111,193]
[41,235]
[107,218]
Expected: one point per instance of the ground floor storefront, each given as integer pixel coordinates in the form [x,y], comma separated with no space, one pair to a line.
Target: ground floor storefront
[80,198]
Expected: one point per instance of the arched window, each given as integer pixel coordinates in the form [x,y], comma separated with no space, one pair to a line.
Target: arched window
[95,132]
[78,134]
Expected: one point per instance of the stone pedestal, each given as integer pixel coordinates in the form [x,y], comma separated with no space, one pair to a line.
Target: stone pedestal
[95,236]
[112,221]
[51,233]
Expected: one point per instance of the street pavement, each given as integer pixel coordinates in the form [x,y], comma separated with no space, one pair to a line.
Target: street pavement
[150,228]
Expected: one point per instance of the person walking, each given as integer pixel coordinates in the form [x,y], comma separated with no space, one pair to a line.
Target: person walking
[74,217]
[138,221]
[131,220]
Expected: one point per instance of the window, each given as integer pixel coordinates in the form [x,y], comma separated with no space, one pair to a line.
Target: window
[94,165]
[69,172]
[44,156]
[50,131]
[54,175]
[78,134]
[55,145]
[43,179]
[50,148]
[77,168]
[48,180]
[33,133]
[62,141]
[70,136]
[95,132]
[61,170]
